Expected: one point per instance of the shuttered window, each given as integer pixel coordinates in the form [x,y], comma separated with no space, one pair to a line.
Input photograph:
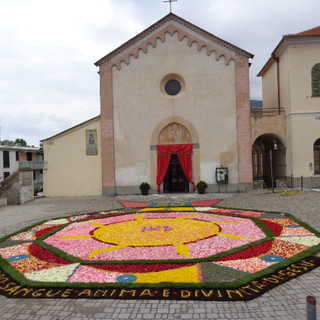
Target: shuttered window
[315,74]
[316,154]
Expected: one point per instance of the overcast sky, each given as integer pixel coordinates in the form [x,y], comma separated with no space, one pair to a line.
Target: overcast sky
[48,82]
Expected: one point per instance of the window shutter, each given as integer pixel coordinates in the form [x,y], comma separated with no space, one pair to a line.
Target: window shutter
[316,80]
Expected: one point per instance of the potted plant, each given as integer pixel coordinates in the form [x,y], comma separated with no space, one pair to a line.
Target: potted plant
[201,186]
[144,187]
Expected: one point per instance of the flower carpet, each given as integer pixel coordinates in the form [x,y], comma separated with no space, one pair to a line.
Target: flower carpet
[158,251]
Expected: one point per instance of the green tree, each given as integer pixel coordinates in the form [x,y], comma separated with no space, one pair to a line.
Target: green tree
[21,142]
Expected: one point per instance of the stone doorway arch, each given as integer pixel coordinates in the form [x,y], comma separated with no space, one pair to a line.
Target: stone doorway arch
[175,181]
[175,131]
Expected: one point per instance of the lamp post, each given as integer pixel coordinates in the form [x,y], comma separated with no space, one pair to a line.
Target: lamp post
[275,147]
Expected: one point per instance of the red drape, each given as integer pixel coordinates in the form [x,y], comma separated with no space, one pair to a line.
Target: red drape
[184,152]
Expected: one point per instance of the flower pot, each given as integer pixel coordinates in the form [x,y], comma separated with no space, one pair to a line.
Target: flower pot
[144,192]
[201,191]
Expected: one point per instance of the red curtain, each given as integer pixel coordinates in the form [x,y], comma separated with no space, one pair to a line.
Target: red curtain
[184,152]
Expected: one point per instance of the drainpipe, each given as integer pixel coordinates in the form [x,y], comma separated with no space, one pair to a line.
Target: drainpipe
[278,81]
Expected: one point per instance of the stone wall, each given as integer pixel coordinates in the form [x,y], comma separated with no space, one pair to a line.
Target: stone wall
[3,201]
[18,188]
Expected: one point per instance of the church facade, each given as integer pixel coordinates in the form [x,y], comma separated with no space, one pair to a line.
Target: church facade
[174,109]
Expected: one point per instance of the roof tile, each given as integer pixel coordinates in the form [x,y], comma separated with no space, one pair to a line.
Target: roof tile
[310,32]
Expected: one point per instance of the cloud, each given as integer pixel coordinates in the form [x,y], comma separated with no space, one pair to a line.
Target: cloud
[28,126]
[47,78]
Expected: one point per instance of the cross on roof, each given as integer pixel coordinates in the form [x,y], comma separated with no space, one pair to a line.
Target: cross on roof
[170,1]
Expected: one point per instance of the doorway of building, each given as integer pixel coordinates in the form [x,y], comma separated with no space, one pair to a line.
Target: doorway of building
[268,159]
[175,180]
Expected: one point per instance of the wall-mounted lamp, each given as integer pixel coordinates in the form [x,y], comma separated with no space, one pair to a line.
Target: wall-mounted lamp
[275,145]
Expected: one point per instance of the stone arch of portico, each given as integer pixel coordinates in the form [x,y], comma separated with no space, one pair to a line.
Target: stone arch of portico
[154,141]
[268,149]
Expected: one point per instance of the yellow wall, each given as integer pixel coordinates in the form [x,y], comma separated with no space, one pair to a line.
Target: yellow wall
[301,111]
[304,130]
[275,125]
[302,59]
[270,88]
[68,170]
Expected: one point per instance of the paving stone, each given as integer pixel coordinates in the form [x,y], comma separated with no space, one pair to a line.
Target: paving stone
[124,316]
[162,310]
[197,310]
[45,318]
[148,316]
[287,301]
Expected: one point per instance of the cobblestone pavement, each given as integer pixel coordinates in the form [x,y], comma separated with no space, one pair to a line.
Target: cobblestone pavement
[285,302]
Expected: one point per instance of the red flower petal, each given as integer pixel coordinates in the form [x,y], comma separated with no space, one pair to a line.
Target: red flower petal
[250,252]
[274,227]
[44,231]
[45,255]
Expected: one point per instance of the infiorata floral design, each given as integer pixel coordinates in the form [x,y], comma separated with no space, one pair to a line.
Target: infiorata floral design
[199,246]
[145,236]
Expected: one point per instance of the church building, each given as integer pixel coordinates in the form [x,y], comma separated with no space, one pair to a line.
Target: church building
[175,109]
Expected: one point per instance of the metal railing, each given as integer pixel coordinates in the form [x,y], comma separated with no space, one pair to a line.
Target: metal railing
[302,183]
[262,112]
[32,165]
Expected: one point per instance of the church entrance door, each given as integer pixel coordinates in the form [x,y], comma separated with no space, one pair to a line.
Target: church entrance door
[175,180]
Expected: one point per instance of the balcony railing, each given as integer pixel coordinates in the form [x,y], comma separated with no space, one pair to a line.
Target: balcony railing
[264,112]
[32,165]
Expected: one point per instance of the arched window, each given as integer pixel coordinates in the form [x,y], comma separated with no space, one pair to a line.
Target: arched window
[315,75]
[316,154]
